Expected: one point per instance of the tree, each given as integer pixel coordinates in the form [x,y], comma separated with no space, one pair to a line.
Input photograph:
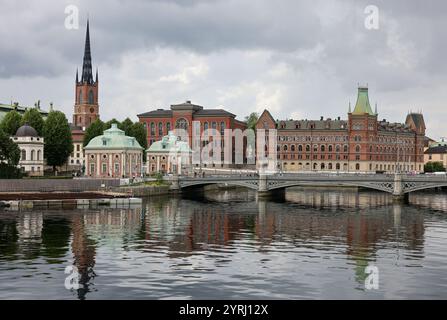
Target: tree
[126,126]
[34,119]
[138,132]
[251,120]
[108,124]
[435,166]
[9,157]
[95,129]
[58,141]
[11,122]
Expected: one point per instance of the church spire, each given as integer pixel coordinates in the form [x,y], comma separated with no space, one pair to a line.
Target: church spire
[77,76]
[87,75]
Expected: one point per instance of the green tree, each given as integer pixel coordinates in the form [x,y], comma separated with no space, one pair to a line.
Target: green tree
[58,141]
[138,132]
[108,124]
[34,119]
[435,166]
[11,122]
[251,120]
[126,126]
[9,157]
[95,129]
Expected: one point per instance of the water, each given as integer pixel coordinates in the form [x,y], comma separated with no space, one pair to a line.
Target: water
[229,245]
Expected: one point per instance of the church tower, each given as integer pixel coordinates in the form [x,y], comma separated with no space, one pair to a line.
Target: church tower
[86,108]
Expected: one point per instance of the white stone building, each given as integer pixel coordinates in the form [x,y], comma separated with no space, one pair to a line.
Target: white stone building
[31,150]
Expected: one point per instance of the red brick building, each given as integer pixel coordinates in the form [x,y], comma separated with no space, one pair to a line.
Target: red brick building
[159,122]
[362,143]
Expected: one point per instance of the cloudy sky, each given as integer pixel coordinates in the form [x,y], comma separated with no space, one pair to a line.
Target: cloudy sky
[299,59]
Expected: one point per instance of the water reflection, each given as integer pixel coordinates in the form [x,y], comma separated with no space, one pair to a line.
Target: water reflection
[307,245]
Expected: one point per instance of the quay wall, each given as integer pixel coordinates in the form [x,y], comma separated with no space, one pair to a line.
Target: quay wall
[52,185]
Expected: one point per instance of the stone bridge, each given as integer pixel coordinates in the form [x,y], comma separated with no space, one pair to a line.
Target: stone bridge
[398,185]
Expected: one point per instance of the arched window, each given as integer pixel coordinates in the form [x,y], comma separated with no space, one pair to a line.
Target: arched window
[322,166]
[152,129]
[214,125]
[90,97]
[80,97]
[337,148]
[32,155]
[205,126]
[160,129]
[307,148]
[168,126]
[357,148]
[285,147]
[292,148]
[330,148]
[222,128]
[357,166]
[323,148]
[39,155]
[345,148]
[23,156]
[337,166]
[181,124]
[300,148]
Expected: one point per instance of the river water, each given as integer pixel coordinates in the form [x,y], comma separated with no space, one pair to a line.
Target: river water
[310,244]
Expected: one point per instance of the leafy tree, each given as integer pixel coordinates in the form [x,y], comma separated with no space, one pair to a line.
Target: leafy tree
[11,122]
[96,129]
[251,120]
[126,126]
[34,119]
[108,124]
[138,132]
[435,166]
[58,141]
[9,157]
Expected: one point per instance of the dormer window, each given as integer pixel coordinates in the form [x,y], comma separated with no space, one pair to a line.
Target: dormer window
[104,142]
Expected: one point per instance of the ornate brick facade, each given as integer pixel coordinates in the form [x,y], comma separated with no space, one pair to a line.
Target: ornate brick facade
[359,144]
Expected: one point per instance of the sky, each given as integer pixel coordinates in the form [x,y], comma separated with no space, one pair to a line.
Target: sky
[298,59]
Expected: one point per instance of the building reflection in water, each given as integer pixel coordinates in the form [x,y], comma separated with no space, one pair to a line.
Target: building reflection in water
[357,224]
[110,227]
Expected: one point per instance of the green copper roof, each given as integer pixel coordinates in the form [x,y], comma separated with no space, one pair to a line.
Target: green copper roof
[113,138]
[362,105]
[170,143]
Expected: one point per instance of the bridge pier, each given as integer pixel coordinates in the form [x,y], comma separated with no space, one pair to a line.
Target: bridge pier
[175,184]
[398,192]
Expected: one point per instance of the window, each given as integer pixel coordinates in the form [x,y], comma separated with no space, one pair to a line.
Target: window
[181,124]
[160,129]
[300,148]
[152,129]
[90,97]
[307,148]
[39,155]
[330,148]
[32,155]
[357,166]
[104,168]
[357,148]
[292,148]
[80,97]
[23,156]
[222,128]
[92,168]
[168,127]
[323,148]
